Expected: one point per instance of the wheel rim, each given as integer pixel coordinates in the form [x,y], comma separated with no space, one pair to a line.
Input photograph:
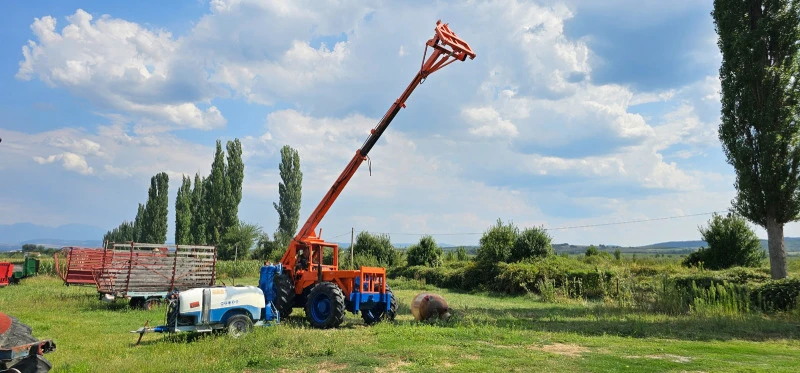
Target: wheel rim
[238,328]
[321,309]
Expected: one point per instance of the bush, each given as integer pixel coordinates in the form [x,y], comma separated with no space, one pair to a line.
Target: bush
[378,246]
[496,243]
[461,254]
[592,250]
[731,243]
[424,253]
[531,243]
[778,295]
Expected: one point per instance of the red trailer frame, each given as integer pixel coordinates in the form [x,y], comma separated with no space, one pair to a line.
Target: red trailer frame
[6,273]
[79,264]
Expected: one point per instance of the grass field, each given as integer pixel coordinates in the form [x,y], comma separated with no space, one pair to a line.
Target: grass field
[487,333]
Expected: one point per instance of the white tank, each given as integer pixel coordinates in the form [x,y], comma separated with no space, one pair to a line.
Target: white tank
[222,297]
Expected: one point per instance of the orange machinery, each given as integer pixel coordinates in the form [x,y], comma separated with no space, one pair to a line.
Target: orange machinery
[325,291]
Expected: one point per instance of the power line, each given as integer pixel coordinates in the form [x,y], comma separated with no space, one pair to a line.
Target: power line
[551,229]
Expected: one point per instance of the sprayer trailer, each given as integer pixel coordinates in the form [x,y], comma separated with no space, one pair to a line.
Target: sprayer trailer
[233,309]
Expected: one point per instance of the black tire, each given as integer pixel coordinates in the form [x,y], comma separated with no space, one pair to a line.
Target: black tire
[375,316]
[284,294]
[151,303]
[238,325]
[20,334]
[325,306]
[137,303]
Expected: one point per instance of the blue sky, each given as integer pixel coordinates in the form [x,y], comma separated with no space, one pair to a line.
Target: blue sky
[573,113]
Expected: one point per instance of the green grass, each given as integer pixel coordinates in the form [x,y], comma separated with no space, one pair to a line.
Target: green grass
[488,333]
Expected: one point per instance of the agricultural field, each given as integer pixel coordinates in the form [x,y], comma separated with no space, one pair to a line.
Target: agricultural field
[488,332]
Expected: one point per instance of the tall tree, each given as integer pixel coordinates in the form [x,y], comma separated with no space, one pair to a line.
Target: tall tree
[138,224]
[760,127]
[198,224]
[156,210]
[234,173]
[289,194]
[216,190]
[183,213]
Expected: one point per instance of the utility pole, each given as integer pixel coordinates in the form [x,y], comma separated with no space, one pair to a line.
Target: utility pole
[352,231]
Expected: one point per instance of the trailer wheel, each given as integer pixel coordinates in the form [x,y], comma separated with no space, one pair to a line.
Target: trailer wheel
[284,294]
[374,316]
[325,306]
[151,303]
[137,303]
[238,325]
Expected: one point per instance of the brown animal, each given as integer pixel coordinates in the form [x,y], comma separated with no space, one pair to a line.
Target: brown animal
[429,307]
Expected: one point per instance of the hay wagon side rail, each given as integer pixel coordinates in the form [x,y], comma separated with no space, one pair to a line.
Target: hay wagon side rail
[140,270]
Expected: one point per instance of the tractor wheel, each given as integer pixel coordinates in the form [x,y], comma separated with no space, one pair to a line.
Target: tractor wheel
[325,306]
[239,325]
[284,294]
[374,316]
[19,334]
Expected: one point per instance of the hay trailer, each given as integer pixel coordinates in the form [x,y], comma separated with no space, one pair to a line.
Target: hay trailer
[29,267]
[146,273]
[78,264]
[6,273]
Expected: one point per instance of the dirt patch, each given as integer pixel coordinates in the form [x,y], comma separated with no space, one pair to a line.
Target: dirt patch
[668,357]
[393,367]
[328,367]
[570,350]
[672,358]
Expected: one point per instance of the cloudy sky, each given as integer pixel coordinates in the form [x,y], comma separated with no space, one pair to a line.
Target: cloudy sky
[574,112]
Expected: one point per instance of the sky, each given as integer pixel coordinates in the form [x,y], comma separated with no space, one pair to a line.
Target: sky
[573,113]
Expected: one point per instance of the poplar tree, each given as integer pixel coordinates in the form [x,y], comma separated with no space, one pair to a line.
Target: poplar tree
[289,194]
[216,190]
[183,213]
[198,224]
[234,174]
[760,124]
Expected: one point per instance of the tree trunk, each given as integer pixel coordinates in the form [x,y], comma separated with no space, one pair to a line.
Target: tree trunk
[777,251]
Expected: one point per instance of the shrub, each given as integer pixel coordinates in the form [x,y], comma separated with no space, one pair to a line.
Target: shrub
[461,254]
[424,253]
[617,254]
[378,246]
[731,242]
[496,243]
[531,243]
[592,250]
[778,295]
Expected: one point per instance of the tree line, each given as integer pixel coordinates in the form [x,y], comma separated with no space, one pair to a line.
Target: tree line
[207,209]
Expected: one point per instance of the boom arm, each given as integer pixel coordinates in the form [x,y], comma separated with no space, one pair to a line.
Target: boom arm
[441,57]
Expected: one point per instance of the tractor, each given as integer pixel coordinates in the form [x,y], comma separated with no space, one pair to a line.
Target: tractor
[311,277]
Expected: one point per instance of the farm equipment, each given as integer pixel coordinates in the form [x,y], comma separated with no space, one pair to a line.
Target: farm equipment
[235,309]
[29,267]
[78,265]
[20,352]
[6,273]
[147,273]
[323,289]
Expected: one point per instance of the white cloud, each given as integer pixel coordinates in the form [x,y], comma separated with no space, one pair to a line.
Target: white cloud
[121,66]
[69,161]
[488,123]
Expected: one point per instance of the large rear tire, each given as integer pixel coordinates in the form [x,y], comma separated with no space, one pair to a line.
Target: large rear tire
[20,334]
[325,306]
[375,316]
[284,294]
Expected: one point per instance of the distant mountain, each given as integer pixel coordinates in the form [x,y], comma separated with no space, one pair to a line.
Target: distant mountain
[677,244]
[20,232]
